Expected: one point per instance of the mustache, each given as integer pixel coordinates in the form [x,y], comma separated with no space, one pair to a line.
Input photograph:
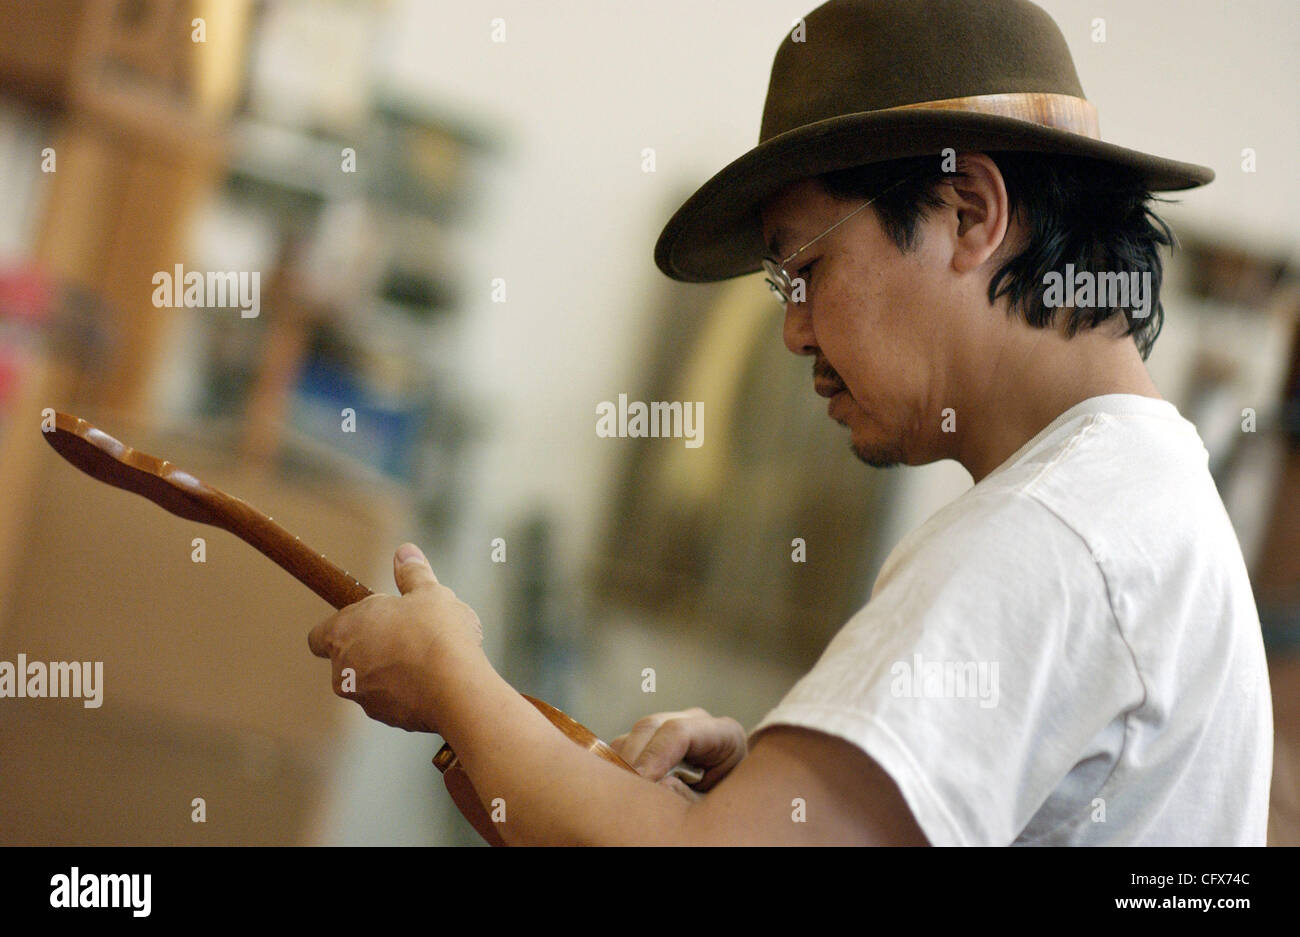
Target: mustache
[823,371]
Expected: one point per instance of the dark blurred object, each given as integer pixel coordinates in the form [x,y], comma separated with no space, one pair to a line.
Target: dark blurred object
[704,538]
[427,158]
[37,43]
[1291,393]
[416,292]
[1230,274]
[1276,577]
[334,407]
[1284,798]
[542,658]
[41,319]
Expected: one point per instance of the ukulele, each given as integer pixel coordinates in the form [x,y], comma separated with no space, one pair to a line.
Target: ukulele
[102,457]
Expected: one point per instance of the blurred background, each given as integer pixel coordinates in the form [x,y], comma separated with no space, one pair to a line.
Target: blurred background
[451,210]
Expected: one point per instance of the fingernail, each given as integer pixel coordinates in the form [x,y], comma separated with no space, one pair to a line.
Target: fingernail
[408,553]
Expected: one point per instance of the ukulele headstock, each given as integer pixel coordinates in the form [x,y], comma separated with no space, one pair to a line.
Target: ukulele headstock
[102,457]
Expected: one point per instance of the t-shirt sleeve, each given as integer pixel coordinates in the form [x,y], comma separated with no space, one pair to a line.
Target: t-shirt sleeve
[986,660]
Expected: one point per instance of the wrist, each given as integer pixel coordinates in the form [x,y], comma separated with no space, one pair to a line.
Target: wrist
[455,674]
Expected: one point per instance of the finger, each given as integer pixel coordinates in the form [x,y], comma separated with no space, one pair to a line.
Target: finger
[714,743]
[411,570]
[320,638]
[663,750]
[721,746]
[630,746]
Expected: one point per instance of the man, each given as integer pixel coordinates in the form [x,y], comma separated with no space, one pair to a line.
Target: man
[1069,653]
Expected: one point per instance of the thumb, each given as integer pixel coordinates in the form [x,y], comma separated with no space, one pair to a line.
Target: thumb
[411,570]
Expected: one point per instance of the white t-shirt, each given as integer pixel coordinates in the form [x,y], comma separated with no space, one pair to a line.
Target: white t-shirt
[1067,654]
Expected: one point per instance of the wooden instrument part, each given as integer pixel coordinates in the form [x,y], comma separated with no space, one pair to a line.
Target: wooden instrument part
[101,456]
[108,460]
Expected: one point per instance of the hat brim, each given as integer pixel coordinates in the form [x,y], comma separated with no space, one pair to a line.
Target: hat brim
[717,233]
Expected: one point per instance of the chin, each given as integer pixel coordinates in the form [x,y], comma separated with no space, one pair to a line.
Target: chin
[872,452]
[876,458]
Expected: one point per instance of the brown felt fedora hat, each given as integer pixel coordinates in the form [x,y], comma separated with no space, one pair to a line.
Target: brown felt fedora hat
[870,80]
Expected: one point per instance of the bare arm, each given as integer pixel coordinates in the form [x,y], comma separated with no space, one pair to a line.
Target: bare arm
[419,665]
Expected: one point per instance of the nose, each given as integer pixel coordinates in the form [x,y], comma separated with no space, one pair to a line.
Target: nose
[798,331]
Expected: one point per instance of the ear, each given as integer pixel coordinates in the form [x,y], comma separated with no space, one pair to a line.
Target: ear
[979,198]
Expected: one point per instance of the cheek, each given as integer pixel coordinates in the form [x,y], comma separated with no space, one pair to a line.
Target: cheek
[846,320]
[865,331]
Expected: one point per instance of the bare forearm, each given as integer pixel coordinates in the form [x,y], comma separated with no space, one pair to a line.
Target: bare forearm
[554,792]
[416,662]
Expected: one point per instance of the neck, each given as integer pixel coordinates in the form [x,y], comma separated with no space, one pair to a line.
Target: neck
[1039,374]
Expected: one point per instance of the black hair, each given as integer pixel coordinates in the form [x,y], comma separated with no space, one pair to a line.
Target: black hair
[1094,215]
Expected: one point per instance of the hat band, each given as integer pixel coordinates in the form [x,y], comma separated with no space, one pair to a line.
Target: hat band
[1059,111]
